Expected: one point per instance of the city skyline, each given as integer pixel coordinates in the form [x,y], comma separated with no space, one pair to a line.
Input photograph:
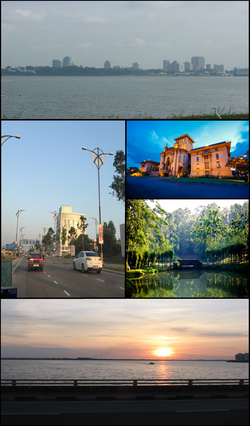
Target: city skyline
[47,168]
[124,32]
[125,329]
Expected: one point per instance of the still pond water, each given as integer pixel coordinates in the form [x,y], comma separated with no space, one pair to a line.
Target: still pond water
[196,283]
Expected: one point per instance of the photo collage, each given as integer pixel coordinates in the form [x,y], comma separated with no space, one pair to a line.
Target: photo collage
[125,213]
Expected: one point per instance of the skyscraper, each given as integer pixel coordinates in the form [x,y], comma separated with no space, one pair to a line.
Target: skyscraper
[107,65]
[166,65]
[56,63]
[198,63]
[66,61]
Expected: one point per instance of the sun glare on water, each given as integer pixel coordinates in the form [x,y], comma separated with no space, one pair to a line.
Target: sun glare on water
[163,352]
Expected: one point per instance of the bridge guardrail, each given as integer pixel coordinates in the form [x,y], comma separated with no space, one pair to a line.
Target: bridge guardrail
[123,382]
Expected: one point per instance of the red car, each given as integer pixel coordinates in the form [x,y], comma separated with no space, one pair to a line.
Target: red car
[35,261]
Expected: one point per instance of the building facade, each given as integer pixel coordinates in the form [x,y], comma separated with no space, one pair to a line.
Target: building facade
[67,219]
[56,63]
[242,357]
[107,65]
[184,160]
[66,61]
[198,63]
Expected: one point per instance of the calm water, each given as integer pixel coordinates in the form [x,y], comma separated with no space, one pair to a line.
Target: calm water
[47,369]
[191,284]
[125,97]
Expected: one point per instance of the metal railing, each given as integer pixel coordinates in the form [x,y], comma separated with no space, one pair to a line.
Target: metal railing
[122,382]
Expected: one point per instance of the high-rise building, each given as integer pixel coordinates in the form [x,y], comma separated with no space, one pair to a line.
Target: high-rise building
[67,220]
[166,65]
[135,65]
[107,65]
[66,61]
[198,63]
[56,63]
[188,66]
[219,67]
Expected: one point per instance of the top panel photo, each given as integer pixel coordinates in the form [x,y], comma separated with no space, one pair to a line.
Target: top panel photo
[124,60]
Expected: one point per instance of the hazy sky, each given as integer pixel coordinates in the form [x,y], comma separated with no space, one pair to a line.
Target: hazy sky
[146,139]
[208,329]
[47,168]
[123,32]
[172,205]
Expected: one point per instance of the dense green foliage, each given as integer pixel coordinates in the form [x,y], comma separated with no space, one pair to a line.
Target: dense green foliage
[211,233]
[118,184]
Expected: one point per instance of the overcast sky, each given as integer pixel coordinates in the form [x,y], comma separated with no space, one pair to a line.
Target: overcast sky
[47,168]
[123,32]
[146,139]
[191,329]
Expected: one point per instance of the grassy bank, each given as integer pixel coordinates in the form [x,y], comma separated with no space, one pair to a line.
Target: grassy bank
[224,116]
[242,268]
[217,181]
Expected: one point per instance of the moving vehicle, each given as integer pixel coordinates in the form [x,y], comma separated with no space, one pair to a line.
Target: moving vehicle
[35,261]
[88,261]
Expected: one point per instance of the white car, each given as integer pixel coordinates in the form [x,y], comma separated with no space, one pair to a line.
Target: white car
[88,261]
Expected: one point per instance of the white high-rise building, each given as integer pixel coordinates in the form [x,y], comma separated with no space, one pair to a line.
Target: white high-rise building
[68,220]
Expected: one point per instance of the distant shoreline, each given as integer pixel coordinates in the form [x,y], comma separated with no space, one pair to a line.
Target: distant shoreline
[115,359]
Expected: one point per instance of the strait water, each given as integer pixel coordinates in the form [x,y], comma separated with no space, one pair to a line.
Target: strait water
[124,96]
[76,369]
[196,283]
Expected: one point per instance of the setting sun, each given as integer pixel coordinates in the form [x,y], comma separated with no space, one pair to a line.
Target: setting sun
[163,352]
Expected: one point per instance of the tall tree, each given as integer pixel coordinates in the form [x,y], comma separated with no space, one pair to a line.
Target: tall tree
[118,184]
[210,227]
[82,226]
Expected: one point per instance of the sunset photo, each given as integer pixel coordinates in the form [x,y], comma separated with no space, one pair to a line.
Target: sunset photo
[132,329]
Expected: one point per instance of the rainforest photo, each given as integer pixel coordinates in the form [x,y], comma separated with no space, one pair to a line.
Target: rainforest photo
[187,248]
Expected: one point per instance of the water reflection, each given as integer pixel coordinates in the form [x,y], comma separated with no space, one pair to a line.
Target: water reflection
[195,283]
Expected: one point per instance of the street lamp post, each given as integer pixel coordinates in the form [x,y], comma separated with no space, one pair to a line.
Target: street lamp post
[44,230]
[20,241]
[8,137]
[39,236]
[55,216]
[98,157]
[17,215]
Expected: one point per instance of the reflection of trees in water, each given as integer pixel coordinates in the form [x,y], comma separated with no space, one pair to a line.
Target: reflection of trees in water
[156,286]
[233,285]
[173,284]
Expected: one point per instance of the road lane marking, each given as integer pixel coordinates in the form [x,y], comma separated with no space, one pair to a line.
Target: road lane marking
[55,282]
[66,292]
[122,288]
[17,265]
[48,275]
[98,279]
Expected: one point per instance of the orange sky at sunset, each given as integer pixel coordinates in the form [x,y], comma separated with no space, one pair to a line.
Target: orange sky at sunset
[160,329]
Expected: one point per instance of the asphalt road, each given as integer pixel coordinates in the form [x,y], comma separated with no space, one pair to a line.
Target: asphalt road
[152,188]
[191,412]
[58,279]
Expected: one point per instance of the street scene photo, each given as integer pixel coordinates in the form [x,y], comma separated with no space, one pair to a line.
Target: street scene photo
[63,211]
